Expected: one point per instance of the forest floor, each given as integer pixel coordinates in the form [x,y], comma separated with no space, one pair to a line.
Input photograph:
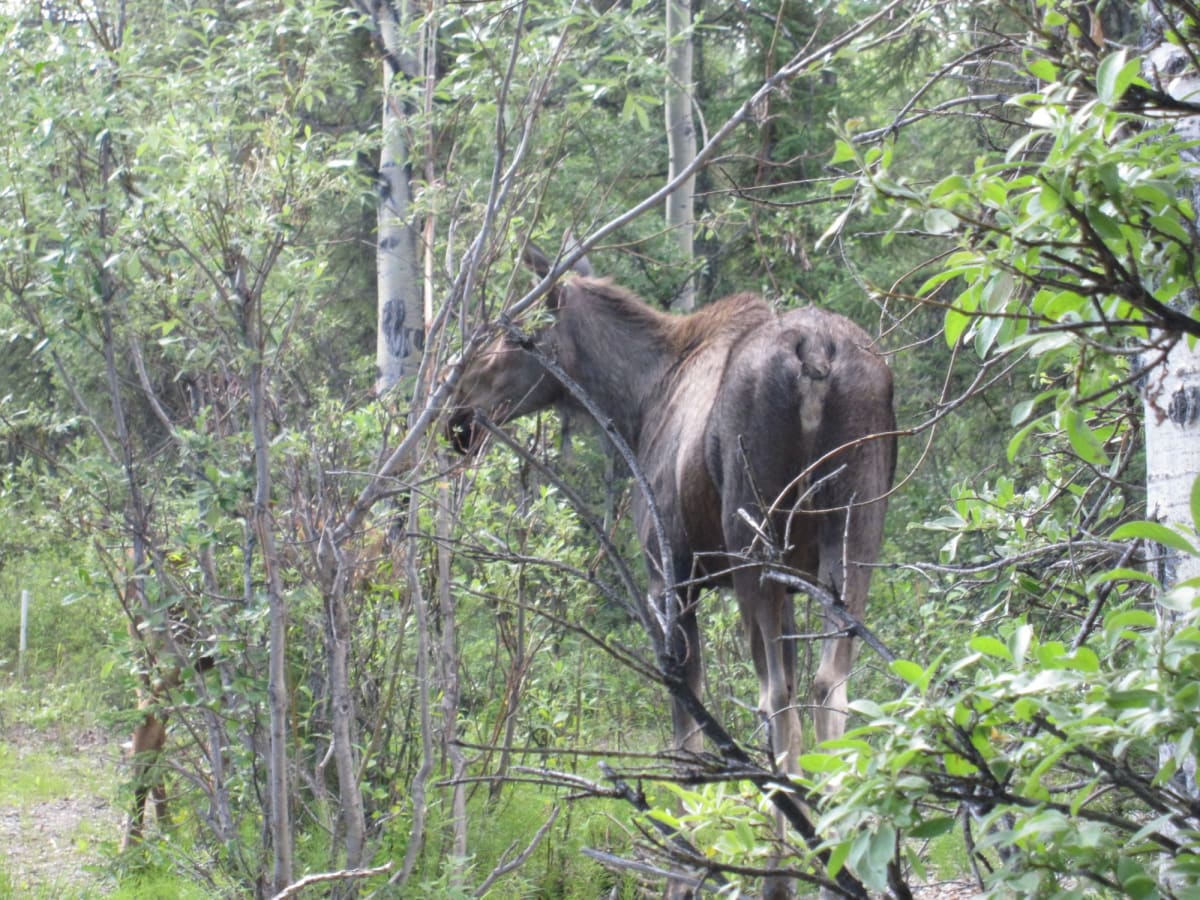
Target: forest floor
[58,821]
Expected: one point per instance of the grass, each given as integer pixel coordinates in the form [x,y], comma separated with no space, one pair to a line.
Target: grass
[58,774]
[35,776]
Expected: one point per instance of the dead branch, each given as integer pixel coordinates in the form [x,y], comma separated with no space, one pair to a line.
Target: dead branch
[508,865]
[296,887]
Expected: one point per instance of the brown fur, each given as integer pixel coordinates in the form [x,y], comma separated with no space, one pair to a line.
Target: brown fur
[725,410]
[147,742]
[145,752]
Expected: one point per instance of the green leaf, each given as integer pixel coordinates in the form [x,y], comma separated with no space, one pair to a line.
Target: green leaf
[1138,698]
[940,221]
[910,672]
[1114,76]
[1156,532]
[1195,504]
[1104,225]
[819,763]
[956,324]
[1083,439]
[1043,70]
[953,184]
[1019,438]
[879,854]
[958,766]
[1120,574]
[866,707]
[745,834]
[843,151]
[837,858]
[1130,618]
[1021,411]
[1134,879]
[991,647]
[934,827]
[661,815]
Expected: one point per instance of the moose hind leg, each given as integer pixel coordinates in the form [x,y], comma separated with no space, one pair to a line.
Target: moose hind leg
[685,652]
[767,613]
[137,817]
[831,698]
[159,793]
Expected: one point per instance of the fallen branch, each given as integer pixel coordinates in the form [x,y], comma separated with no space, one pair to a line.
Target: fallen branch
[345,875]
[503,867]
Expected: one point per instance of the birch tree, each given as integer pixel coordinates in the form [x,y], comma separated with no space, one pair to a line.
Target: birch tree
[400,322]
[681,146]
[1172,389]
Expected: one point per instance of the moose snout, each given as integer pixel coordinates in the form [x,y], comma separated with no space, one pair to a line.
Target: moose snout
[463,432]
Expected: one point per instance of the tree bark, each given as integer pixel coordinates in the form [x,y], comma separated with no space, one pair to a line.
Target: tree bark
[401,309]
[1172,409]
[681,145]
[279,821]
[338,628]
[1171,395]
[448,676]
[417,790]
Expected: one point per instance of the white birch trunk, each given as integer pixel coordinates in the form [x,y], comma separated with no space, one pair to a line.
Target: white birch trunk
[681,143]
[1171,397]
[1172,424]
[1172,410]
[400,322]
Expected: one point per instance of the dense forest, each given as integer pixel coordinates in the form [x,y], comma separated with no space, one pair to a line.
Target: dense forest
[247,252]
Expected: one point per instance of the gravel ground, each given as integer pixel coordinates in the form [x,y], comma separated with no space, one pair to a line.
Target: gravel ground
[946,890]
[49,843]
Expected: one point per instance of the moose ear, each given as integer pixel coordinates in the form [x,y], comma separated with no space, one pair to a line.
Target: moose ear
[541,265]
[536,260]
[582,265]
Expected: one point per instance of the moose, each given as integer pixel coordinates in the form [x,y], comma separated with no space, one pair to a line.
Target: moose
[767,439]
[157,679]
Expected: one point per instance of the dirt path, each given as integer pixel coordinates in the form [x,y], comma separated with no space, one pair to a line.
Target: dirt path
[56,811]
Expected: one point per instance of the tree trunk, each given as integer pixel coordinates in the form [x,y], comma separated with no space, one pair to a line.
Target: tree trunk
[1171,395]
[681,144]
[279,822]
[338,628]
[1172,424]
[1172,408]
[400,324]
[448,676]
[417,790]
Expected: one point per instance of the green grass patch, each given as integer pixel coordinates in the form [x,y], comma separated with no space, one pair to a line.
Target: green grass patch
[35,776]
[12,888]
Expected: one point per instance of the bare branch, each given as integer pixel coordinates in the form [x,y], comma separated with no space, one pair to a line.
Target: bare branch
[307,881]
